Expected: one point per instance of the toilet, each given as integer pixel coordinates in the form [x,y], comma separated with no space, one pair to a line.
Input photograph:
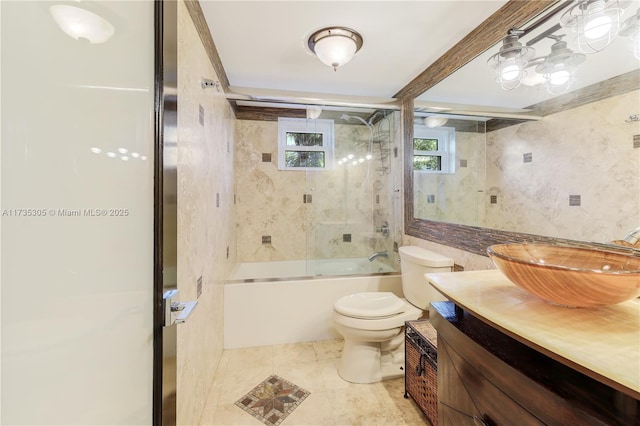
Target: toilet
[372,323]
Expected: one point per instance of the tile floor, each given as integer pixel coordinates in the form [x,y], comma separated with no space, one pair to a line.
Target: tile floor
[312,366]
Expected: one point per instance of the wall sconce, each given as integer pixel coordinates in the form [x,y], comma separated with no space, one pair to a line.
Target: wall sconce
[631,29]
[559,68]
[335,46]
[595,22]
[79,23]
[510,62]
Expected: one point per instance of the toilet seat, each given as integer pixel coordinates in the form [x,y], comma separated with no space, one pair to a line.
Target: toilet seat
[410,313]
[373,305]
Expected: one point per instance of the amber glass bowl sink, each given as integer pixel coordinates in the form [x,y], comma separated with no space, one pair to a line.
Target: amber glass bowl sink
[569,276]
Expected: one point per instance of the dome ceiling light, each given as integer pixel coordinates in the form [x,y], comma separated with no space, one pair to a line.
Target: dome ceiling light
[335,46]
[81,24]
[435,121]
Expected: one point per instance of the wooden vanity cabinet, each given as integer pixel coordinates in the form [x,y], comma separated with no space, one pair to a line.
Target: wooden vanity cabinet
[486,377]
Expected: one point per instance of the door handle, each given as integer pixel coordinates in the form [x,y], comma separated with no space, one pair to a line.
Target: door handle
[183,314]
[175,312]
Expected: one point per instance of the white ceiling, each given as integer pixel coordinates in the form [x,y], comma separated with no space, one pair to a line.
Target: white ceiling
[263,45]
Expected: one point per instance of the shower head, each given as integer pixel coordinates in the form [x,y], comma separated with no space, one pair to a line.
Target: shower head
[349,117]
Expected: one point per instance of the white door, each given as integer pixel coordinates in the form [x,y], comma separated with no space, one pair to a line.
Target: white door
[77,121]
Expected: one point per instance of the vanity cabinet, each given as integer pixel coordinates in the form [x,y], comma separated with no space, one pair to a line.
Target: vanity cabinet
[487,377]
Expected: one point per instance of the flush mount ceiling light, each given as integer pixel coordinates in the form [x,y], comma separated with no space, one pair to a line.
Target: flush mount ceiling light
[510,62]
[595,22]
[631,29]
[313,112]
[79,23]
[435,121]
[559,68]
[335,46]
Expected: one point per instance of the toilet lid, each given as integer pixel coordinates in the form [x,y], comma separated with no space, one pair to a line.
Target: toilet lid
[370,305]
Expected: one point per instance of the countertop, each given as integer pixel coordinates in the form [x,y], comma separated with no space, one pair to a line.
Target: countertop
[602,342]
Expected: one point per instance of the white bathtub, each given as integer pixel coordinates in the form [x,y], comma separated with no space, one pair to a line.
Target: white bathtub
[264,305]
[306,268]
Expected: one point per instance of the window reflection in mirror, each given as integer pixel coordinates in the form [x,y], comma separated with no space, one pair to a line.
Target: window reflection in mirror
[572,175]
[449,169]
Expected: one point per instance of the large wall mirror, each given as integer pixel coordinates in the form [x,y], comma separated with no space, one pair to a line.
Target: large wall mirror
[556,159]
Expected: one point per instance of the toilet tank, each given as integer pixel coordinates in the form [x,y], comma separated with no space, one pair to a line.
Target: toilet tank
[414,263]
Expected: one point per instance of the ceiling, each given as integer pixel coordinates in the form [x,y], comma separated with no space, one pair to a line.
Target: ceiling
[263,45]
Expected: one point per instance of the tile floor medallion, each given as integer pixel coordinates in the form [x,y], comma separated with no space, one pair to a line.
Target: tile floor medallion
[272,400]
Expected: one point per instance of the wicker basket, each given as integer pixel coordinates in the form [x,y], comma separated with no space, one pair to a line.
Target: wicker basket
[421,367]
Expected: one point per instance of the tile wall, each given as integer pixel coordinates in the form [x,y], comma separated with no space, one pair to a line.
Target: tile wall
[293,215]
[206,231]
[571,175]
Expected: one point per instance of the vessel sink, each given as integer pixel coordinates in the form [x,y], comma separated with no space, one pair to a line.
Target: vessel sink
[569,276]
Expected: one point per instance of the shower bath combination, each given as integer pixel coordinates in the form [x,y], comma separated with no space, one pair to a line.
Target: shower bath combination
[378,136]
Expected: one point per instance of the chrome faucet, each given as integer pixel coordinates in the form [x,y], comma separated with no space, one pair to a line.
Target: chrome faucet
[378,254]
[633,237]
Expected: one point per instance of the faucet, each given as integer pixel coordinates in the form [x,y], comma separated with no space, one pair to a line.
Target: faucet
[633,237]
[378,254]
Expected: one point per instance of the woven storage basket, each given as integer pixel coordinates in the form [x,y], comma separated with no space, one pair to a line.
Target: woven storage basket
[421,367]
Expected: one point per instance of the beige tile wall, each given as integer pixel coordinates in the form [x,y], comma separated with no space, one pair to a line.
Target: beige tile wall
[270,201]
[586,151]
[205,168]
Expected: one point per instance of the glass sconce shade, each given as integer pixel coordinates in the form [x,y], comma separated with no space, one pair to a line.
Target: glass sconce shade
[510,62]
[595,22]
[335,46]
[559,68]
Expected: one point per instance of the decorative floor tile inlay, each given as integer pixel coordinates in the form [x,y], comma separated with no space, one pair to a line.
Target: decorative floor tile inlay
[272,400]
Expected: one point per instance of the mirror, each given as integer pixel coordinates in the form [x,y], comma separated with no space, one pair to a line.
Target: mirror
[449,163]
[572,173]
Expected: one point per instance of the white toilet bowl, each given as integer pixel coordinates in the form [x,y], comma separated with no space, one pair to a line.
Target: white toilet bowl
[372,324]
[372,327]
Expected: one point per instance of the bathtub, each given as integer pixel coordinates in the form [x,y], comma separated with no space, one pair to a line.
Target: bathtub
[269,303]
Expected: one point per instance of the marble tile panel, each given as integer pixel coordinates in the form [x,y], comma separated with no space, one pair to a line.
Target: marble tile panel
[252,357]
[229,415]
[315,410]
[239,382]
[587,151]
[361,405]
[328,349]
[307,375]
[293,353]
[330,376]
[205,176]
[404,410]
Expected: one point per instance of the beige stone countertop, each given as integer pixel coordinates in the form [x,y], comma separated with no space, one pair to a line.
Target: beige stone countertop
[603,342]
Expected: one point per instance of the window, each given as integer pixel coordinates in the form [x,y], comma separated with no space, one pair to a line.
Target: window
[434,149]
[305,144]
